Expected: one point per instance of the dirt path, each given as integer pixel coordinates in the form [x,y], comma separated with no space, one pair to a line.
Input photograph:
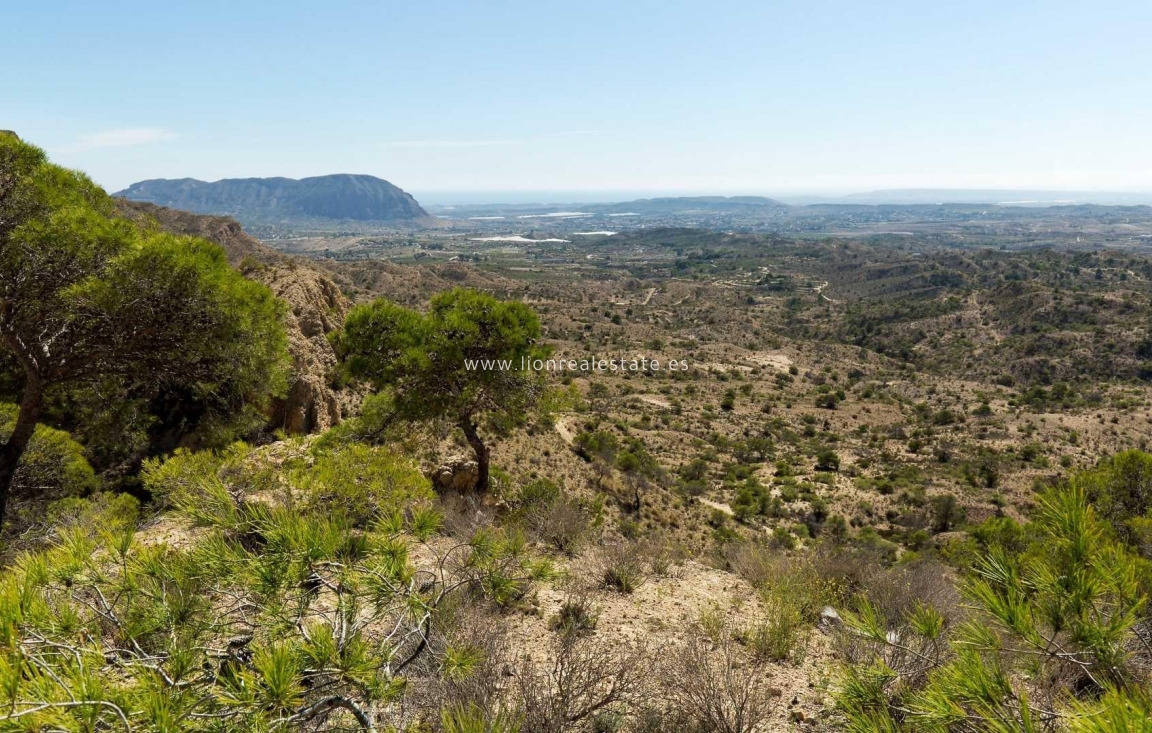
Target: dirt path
[654,400]
[820,290]
[779,362]
[716,505]
[565,433]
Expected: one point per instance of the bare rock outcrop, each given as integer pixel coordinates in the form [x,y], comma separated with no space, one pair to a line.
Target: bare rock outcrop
[316,307]
[457,473]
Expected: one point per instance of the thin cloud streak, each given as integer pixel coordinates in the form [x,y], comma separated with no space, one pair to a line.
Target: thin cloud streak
[127,137]
[486,143]
[450,143]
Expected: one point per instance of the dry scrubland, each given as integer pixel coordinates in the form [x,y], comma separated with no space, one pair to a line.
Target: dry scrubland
[705,550]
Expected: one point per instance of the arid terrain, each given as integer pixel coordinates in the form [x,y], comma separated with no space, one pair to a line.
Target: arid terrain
[756,465]
[836,394]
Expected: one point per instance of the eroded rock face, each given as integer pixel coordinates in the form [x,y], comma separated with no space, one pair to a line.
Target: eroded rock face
[457,473]
[315,308]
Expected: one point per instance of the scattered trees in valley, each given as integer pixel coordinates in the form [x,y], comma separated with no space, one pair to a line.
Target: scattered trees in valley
[969,564]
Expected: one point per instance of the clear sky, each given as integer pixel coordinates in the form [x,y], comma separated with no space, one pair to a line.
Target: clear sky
[762,96]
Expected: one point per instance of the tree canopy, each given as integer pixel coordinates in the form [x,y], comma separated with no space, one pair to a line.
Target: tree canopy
[1120,490]
[469,358]
[87,298]
[1068,606]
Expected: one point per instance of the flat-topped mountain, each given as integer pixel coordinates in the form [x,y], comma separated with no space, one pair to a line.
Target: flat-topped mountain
[272,200]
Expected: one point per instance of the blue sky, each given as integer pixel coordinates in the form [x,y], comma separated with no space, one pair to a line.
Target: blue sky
[726,97]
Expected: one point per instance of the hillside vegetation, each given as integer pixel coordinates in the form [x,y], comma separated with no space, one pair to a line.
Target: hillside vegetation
[894,487]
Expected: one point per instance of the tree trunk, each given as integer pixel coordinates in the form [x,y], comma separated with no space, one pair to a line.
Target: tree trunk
[10,453]
[481,451]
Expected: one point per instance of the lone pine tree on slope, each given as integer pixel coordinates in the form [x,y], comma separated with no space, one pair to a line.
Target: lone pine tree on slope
[467,360]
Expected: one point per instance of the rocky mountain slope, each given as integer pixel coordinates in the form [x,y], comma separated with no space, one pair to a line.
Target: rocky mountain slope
[222,230]
[278,200]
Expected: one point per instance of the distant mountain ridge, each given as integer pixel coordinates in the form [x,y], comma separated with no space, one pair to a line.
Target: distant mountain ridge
[648,206]
[340,197]
[997,196]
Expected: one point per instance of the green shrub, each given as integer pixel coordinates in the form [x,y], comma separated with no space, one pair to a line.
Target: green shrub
[537,494]
[827,460]
[1068,604]
[277,607]
[783,539]
[836,529]
[1120,489]
[946,512]
[53,465]
[781,633]
[871,541]
[728,401]
[103,511]
[622,568]
[182,479]
[827,400]
[576,616]
[362,483]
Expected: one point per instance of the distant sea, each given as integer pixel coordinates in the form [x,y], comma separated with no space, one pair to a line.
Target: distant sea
[1004,197]
[441,198]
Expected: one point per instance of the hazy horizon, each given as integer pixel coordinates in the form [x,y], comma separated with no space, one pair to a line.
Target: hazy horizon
[439,199]
[545,197]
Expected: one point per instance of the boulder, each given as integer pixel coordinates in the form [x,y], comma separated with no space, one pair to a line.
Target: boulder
[829,617]
[458,473]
